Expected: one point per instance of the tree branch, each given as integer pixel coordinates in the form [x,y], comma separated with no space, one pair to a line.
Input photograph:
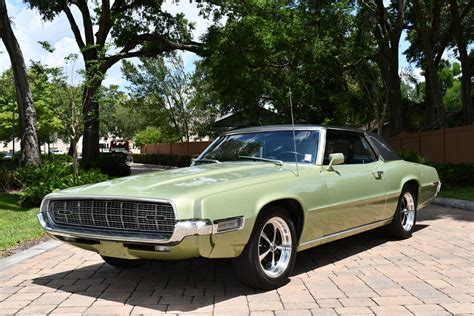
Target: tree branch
[104,23]
[160,45]
[435,24]
[86,20]
[384,20]
[72,22]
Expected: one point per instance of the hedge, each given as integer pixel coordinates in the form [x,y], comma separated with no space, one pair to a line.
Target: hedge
[163,160]
[455,175]
[451,175]
[111,164]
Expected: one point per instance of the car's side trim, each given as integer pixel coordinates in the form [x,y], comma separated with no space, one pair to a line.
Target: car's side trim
[347,232]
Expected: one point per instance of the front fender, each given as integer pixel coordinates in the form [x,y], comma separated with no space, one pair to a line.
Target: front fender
[248,201]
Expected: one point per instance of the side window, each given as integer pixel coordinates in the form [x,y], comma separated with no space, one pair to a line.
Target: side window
[336,143]
[355,148]
[361,152]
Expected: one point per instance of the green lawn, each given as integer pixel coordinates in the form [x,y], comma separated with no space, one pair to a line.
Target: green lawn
[460,193]
[17,224]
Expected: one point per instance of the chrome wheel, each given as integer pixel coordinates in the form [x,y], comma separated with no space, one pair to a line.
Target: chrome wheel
[274,247]
[407,211]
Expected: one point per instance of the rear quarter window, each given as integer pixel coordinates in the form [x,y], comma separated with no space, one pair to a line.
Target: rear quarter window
[382,147]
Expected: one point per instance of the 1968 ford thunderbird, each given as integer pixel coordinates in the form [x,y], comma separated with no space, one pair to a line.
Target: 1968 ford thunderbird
[256,195]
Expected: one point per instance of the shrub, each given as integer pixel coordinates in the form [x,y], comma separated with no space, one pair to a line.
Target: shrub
[412,156]
[151,135]
[8,164]
[8,180]
[450,174]
[50,176]
[163,160]
[112,164]
[56,158]
[455,175]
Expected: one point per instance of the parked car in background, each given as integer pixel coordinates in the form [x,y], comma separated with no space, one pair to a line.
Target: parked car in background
[121,146]
[255,195]
[8,154]
[104,148]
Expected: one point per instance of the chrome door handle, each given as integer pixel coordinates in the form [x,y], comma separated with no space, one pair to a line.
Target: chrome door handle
[378,175]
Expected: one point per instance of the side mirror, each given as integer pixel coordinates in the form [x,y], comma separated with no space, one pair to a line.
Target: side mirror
[335,159]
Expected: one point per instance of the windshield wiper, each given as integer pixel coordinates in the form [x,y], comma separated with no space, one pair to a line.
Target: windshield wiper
[207,160]
[274,161]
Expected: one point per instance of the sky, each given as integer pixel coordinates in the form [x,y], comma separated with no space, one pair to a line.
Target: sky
[29,29]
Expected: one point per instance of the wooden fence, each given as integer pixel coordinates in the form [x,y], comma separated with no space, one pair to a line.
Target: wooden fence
[187,148]
[455,145]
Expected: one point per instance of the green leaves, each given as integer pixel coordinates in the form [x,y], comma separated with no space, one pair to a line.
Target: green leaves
[167,94]
[46,46]
[50,176]
[151,135]
[271,46]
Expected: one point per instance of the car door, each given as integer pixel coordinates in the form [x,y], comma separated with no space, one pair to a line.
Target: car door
[356,188]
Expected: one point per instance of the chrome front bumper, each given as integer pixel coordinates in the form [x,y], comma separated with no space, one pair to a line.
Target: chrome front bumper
[182,229]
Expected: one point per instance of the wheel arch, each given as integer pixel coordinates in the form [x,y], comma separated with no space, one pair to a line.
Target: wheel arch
[412,183]
[294,208]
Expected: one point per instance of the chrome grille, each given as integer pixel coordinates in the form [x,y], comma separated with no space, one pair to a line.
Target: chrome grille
[137,216]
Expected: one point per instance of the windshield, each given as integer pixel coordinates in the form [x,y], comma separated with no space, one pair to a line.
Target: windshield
[277,145]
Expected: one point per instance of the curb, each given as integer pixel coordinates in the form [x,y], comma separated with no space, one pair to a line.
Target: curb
[461,204]
[28,253]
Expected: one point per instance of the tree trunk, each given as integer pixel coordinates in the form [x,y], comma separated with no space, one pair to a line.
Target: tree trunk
[387,33]
[466,94]
[73,146]
[436,114]
[90,111]
[73,153]
[30,154]
[394,92]
[466,83]
[72,149]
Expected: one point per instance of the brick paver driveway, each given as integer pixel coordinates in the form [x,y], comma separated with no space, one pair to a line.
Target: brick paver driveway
[431,273]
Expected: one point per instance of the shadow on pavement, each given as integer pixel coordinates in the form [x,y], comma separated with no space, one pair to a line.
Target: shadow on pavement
[434,212]
[189,285]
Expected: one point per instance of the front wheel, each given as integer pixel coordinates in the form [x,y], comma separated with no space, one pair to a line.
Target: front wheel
[404,220]
[122,263]
[269,256]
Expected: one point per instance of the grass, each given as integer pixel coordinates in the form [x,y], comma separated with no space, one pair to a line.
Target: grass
[17,224]
[460,193]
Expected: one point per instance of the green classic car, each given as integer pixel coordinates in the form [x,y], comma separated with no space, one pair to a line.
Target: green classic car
[256,195]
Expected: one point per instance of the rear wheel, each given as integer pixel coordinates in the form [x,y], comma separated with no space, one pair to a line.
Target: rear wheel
[269,256]
[122,263]
[404,220]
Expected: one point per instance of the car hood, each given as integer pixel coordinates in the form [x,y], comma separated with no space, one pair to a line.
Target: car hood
[181,183]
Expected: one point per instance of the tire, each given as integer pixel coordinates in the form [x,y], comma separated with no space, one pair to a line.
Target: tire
[277,251]
[404,220]
[122,263]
